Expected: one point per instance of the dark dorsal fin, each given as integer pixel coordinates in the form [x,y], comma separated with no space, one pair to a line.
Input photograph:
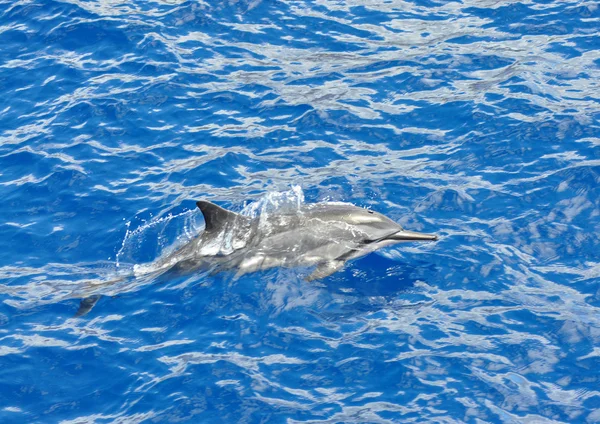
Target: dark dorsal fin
[215,216]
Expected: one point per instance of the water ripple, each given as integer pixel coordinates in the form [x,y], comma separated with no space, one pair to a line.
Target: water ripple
[476,120]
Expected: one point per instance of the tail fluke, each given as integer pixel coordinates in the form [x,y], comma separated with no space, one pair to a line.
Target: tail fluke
[87,304]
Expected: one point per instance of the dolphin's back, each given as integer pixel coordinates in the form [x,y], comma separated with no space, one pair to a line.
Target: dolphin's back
[323,234]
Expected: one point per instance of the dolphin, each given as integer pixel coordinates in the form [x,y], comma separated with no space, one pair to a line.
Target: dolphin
[323,235]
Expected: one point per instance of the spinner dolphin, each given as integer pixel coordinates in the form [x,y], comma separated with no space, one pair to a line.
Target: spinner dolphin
[325,235]
[321,235]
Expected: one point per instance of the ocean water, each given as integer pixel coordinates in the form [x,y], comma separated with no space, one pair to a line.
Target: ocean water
[475,120]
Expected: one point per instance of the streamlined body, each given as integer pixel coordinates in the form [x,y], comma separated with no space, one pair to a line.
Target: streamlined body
[323,234]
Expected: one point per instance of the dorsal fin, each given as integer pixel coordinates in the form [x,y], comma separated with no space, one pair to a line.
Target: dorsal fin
[215,216]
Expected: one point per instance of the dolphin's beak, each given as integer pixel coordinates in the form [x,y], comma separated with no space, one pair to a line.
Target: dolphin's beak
[405,235]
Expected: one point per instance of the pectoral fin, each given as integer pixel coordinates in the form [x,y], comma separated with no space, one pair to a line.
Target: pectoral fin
[325,269]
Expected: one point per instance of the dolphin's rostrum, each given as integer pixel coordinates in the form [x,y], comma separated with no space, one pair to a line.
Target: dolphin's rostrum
[322,234]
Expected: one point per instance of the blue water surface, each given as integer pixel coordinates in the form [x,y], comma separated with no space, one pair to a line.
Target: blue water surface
[475,120]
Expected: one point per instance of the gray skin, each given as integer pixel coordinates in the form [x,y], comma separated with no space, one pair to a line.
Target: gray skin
[323,234]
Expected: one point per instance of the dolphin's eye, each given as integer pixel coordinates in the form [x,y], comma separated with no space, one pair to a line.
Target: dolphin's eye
[371,212]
